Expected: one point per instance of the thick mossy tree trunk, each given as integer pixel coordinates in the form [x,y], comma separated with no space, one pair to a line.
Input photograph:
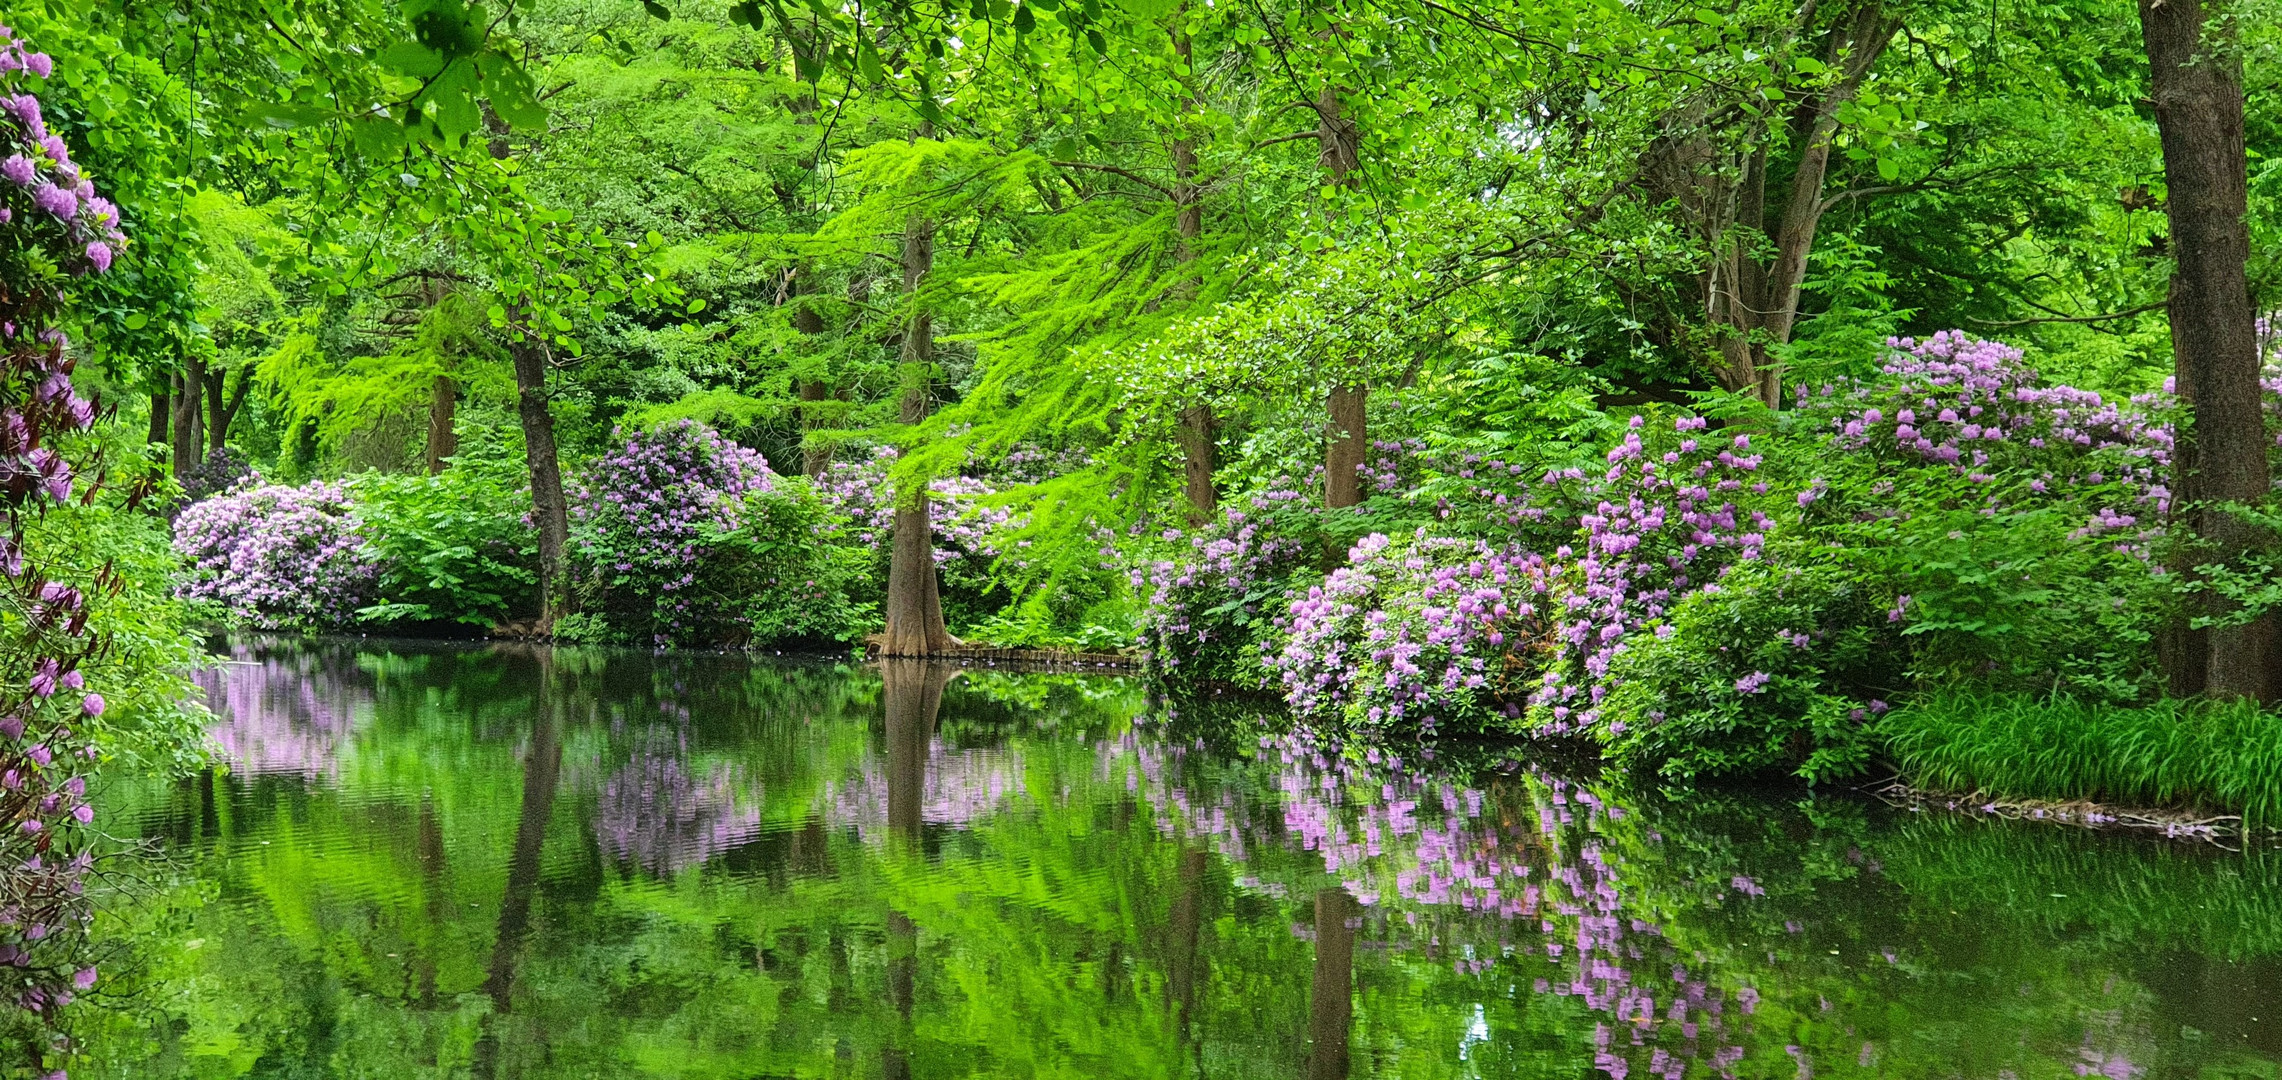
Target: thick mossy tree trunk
[189,416]
[914,595]
[548,507]
[2196,84]
[1347,437]
[443,408]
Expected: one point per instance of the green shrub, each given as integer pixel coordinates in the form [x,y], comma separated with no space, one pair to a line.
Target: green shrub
[2223,756]
[1780,666]
[454,547]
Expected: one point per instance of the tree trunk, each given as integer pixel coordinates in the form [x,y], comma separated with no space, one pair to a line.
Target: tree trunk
[162,403]
[1331,1005]
[1347,438]
[914,595]
[551,513]
[815,457]
[1184,962]
[1198,430]
[443,407]
[2221,442]
[1198,427]
[189,412]
[1348,443]
[1755,306]
[221,408]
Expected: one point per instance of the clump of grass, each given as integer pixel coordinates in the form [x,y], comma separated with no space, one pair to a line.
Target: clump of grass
[2220,756]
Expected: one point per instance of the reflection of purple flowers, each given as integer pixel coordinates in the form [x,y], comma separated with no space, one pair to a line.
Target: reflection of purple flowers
[282,714]
[961,787]
[656,814]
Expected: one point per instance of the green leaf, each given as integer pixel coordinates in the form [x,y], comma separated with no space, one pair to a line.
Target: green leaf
[657,10]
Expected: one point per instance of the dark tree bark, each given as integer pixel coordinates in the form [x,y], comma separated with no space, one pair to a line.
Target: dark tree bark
[189,416]
[443,408]
[914,593]
[162,403]
[547,503]
[1198,432]
[1331,1004]
[221,408]
[815,457]
[2196,83]
[1349,443]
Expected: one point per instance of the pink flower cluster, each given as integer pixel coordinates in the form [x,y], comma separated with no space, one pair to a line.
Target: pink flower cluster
[966,525]
[46,196]
[278,557]
[642,515]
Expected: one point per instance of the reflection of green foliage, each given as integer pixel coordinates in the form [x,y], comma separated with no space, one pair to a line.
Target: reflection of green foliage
[349,927]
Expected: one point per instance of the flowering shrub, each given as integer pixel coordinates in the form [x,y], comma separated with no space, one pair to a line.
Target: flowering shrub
[1211,606]
[279,557]
[50,218]
[223,470]
[1414,632]
[681,536]
[1954,515]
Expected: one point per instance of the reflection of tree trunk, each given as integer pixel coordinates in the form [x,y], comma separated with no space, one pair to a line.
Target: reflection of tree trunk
[542,769]
[914,692]
[443,404]
[1331,1006]
[1184,961]
[547,505]
[439,906]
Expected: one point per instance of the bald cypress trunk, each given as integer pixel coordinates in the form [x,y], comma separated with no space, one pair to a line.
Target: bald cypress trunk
[548,506]
[914,597]
[443,407]
[2196,79]
[1198,428]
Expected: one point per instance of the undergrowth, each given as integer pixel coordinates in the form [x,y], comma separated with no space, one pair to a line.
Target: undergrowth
[2220,756]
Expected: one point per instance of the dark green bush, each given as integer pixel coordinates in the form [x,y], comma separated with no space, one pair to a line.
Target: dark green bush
[1780,667]
[456,547]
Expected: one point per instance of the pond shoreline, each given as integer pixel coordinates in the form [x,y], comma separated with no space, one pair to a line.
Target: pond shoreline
[2170,823]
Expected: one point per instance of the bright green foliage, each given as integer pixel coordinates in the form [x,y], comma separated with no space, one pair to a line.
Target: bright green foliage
[453,547]
[2218,756]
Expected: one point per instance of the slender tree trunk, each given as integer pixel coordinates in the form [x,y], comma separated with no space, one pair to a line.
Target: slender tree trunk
[914,594]
[225,413]
[548,507]
[189,412]
[2221,445]
[815,457]
[1347,439]
[1199,428]
[162,403]
[443,408]
[1349,443]
[1331,1005]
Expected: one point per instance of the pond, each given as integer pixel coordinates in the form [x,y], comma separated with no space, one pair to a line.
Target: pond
[430,860]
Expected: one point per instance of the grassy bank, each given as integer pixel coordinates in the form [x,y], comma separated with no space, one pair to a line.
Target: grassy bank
[2223,757]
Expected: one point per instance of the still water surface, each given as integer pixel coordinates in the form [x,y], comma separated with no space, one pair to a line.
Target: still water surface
[435,861]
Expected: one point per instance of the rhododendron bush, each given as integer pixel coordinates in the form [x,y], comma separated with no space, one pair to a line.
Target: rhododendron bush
[681,536]
[1722,599]
[279,557]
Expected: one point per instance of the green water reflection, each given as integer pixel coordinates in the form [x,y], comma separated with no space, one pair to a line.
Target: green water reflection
[427,861]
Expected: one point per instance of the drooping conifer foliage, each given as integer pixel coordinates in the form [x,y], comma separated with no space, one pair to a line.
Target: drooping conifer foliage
[1695,388]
